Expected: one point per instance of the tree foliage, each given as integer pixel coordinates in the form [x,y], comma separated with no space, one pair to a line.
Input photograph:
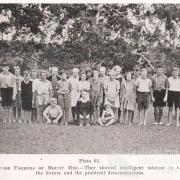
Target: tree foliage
[67,34]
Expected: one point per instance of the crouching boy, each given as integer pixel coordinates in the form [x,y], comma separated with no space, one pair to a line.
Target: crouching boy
[52,113]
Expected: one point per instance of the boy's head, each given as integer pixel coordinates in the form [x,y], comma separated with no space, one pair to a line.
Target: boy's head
[144,72]
[27,75]
[175,71]
[88,73]
[102,70]
[117,70]
[75,72]
[54,70]
[34,74]
[5,68]
[83,76]
[84,94]
[111,75]
[136,70]
[16,70]
[43,75]
[63,76]
[128,76]
[160,70]
[95,74]
[53,102]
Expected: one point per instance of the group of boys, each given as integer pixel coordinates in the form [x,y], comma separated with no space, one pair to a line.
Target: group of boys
[27,102]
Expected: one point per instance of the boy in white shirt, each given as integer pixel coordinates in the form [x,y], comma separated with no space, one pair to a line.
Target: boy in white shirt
[53,113]
[44,93]
[174,95]
[143,95]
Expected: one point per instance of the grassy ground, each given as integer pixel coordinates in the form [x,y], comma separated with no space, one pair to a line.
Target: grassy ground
[119,138]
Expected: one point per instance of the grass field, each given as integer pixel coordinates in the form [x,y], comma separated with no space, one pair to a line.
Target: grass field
[119,138]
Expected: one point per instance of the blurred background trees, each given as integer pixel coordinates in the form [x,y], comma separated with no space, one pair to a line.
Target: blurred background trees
[68,35]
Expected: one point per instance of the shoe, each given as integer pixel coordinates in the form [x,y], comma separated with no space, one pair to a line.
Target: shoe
[168,124]
[81,125]
[161,123]
[177,124]
[65,123]
[87,125]
[155,123]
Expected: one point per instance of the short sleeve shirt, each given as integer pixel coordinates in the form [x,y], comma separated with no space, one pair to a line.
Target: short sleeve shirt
[174,84]
[64,86]
[53,112]
[144,85]
[159,82]
[7,80]
[44,87]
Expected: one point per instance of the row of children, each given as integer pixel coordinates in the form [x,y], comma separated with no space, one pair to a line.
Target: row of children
[99,97]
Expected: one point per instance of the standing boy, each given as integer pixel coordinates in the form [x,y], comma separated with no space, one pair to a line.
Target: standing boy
[104,79]
[112,88]
[144,90]
[64,97]
[44,93]
[35,81]
[17,102]
[8,92]
[75,93]
[159,86]
[174,95]
[96,94]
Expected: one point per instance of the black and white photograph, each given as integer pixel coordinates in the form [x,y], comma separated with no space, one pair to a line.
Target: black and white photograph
[89,78]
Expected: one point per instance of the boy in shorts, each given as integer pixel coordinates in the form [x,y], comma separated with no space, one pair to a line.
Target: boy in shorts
[174,95]
[53,113]
[44,94]
[159,86]
[144,90]
[8,93]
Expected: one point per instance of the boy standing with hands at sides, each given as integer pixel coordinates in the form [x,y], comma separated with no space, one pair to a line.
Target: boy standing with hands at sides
[75,93]
[96,95]
[44,94]
[64,97]
[26,96]
[53,113]
[144,90]
[174,95]
[8,93]
[104,79]
[17,102]
[35,81]
[160,90]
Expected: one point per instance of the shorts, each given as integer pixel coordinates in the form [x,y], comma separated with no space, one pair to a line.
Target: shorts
[27,103]
[173,98]
[158,98]
[7,94]
[64,101]
[42,99]
[143,100]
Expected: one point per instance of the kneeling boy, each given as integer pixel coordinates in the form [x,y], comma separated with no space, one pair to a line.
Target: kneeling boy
[53,113]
